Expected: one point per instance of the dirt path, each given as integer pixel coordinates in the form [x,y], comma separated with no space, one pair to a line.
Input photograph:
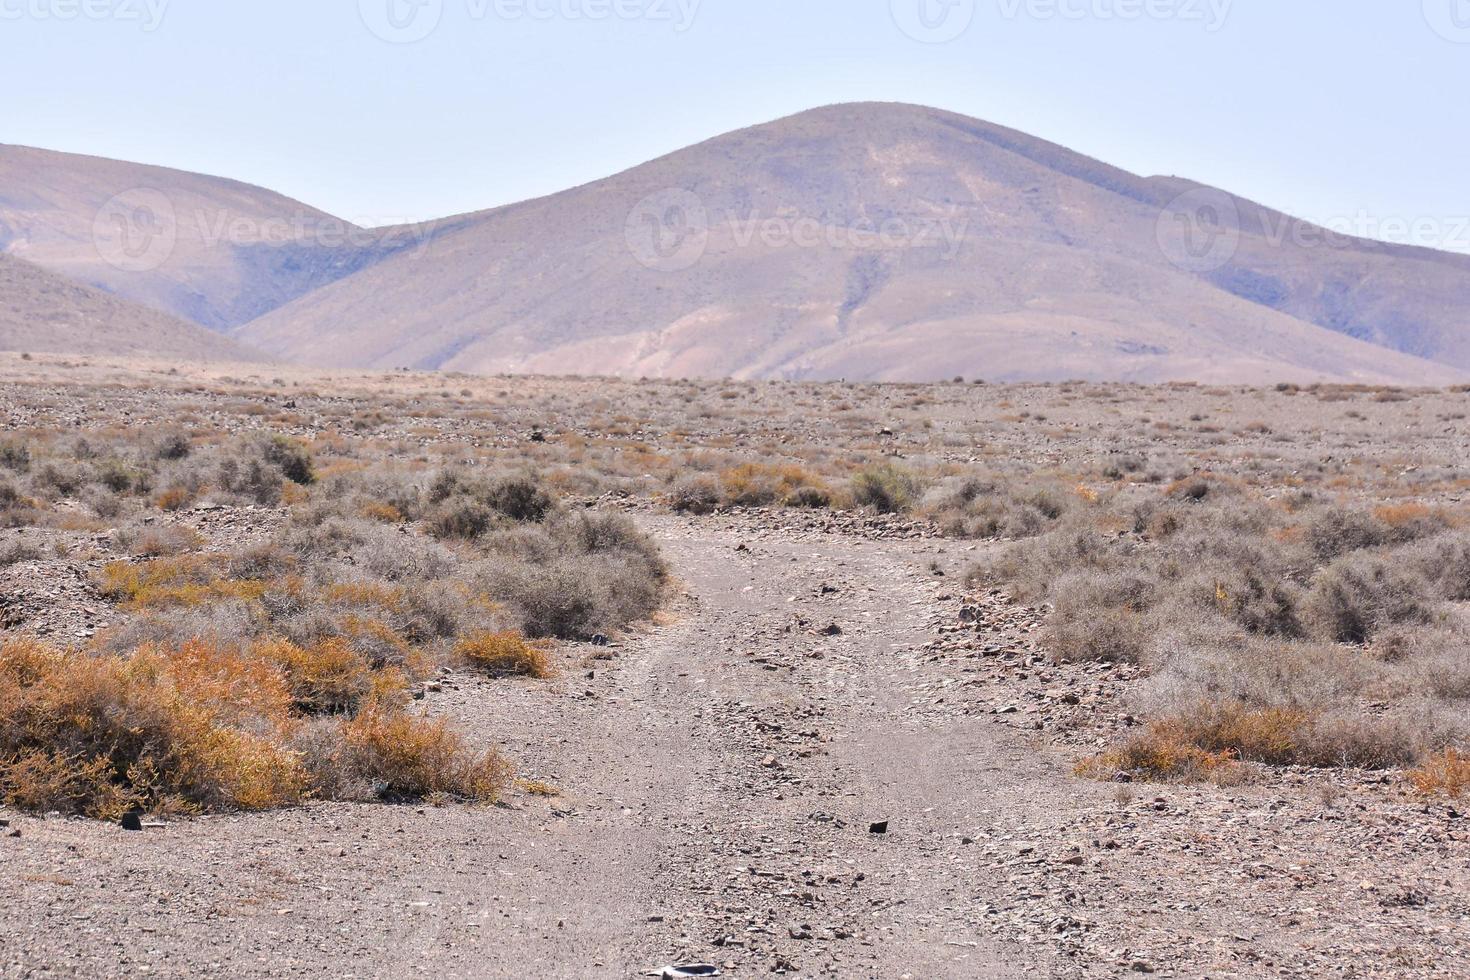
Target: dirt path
[719,777]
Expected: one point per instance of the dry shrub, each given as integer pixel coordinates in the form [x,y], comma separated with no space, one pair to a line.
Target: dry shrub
[519,498]
[1268,735]
[761,485]
[1100,616]
[1205,744]
[1164,753]
[410,758]
[1259,603]
[695,495]
[328,677]
[375,510]
[190,580]
[378,595]
[976,506]
[185,730]
[1444,774]
[159,542]
[1212,661]
[1348,737]
[375,640]
[467,509]
[250,479]
[504,654]
[462,518]
[577,577]
[1433,660]
[289,456]
[1030,568]
[199,728]
[1445,561]
[1356,596]
[173,499]
[1336,532]
[886,488]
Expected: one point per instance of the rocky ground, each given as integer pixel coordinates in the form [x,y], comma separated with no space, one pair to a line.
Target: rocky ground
[827,760]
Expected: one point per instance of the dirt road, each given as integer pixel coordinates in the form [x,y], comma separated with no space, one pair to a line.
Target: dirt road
[721,780]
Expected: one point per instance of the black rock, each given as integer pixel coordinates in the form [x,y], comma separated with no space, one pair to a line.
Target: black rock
[881,827]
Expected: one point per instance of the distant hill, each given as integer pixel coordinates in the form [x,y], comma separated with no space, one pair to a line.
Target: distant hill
[890,242]
[43,312]
[213,251]
[871,241]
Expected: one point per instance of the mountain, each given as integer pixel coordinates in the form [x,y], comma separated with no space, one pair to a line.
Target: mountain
[213,251]
[43,312]
[883,241]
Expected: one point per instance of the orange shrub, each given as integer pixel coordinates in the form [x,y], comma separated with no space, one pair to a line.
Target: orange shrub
[328,678]
[174,498]
[375,510]
[185,730]
[389,597]
[1268,735]
[1446,773]
[506,653]
[1398,515]
[413,757]
[1206,744]
[1165,753]
[759,484]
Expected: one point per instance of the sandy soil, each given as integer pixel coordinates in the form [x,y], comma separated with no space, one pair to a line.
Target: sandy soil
[719,780]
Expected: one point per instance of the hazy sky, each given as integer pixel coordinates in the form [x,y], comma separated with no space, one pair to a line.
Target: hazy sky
[1346,111]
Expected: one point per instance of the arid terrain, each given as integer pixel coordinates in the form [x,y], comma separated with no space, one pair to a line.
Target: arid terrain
[400,674]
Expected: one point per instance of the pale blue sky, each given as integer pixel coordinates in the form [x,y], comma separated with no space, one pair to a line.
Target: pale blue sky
[1340,110]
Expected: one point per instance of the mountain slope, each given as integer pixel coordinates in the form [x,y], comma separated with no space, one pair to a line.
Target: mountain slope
[887,242]
[214,251]
[43,312]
